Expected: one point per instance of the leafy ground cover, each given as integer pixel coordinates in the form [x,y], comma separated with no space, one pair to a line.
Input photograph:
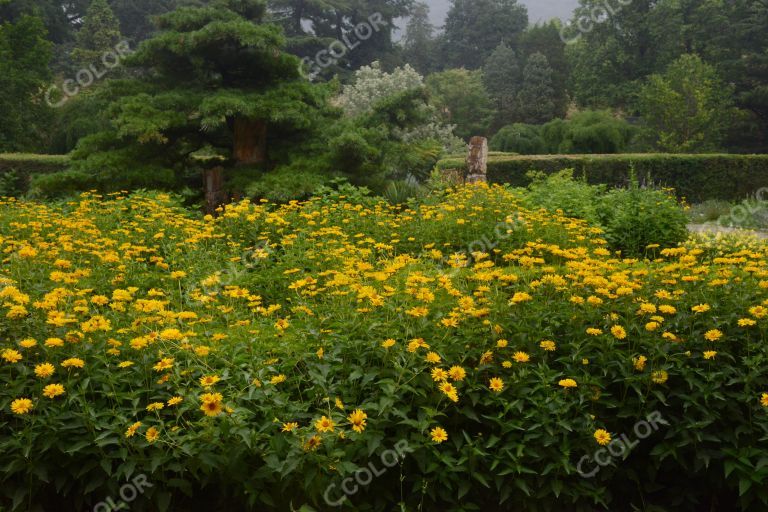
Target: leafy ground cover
[264,358]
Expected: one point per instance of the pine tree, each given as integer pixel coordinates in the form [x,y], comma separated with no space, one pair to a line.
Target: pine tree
[535,101]
[419,42]
[473,28]
[502,79]
[216,85]
[99,34]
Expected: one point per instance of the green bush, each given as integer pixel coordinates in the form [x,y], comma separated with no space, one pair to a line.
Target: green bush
[632,218]
[595,131]
[518,138]
[694,177]
[576,198]
[638,219]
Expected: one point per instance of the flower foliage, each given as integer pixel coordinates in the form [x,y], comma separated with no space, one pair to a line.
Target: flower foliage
[271,351]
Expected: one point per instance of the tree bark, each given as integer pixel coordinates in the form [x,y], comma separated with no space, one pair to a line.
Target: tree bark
[250,141]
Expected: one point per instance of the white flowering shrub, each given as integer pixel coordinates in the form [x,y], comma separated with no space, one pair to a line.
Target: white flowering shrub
[371,85]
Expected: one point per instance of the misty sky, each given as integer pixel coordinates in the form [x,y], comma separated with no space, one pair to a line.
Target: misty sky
[538,10]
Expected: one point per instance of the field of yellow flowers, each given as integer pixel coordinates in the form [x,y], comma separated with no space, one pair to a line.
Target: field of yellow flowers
[273,357]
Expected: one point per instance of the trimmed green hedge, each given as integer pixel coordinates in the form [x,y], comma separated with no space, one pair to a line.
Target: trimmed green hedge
[17,169]
[695,177]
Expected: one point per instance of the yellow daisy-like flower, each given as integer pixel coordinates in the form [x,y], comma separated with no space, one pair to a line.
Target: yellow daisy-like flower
[567,383]
[11,356]
[22,406]
[152,434]
[324,424]
[594,332]
[548,345]
[746,322]
[439,375]
[209,380]
[521,357]
[457,373]
[388,343]
[502,343]
[713,335]
[433,357]
[450,391]
[486,358]
[125,364]
[133,429]
[212,409]
[44,370]
[73,363]
[28,343]
[277,379]
[313,443]
[496,384]
[54,342]
[155,406]
[709,354]
[618,332]
[53,390]
[357,420]
[438,435]
[164,364]
[289,427]
[602,436]
[701,308]
[176,400]
[764,400]
[659,377]
[639,362]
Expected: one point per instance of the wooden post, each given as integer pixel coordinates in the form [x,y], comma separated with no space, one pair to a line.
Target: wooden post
[477,160]
[213,184]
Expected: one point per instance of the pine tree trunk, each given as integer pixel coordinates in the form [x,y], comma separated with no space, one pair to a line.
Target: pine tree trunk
[250,141]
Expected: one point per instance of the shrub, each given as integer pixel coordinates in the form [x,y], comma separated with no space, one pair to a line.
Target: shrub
[595,132]
[560,191]
[632,218]
[638,219]
[518,138]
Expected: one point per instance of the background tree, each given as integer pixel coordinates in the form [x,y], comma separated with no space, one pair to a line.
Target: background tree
[100,33]
[474,28]
[536,99]
[545,39]
[419,43]
[461,99]
[24,73]
[215,85]
[688,108]
[502,78]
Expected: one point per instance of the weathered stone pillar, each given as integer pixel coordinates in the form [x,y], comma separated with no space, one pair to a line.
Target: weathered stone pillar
[213,184]
[477,160]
